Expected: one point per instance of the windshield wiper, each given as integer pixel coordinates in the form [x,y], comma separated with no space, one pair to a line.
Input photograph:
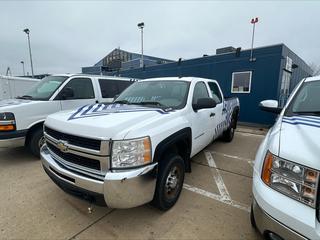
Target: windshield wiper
[151,103]
[25,97]
[317,113]
[122,102]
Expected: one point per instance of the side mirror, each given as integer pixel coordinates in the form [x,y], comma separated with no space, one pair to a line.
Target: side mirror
[67,93]
[270,106]
[204,103]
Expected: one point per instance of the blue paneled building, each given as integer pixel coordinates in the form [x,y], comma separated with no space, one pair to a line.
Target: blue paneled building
[272,73]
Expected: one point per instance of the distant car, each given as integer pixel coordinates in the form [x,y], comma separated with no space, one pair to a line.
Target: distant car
[21,119]
[286,200]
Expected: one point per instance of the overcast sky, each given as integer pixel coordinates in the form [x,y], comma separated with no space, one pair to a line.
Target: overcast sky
[66,36]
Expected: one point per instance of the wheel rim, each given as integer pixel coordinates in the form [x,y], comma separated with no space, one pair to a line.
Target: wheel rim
[173,182]
[41,142]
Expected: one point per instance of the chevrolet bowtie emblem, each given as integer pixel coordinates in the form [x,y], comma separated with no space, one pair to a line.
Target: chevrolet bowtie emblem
[62,145]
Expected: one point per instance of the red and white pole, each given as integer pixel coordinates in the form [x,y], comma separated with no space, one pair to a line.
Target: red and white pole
[253,22]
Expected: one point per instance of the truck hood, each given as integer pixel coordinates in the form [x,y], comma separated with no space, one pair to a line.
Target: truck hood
[107,121]
[8,104]
[299,140]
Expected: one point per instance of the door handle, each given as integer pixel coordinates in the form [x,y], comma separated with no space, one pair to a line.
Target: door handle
[212,114]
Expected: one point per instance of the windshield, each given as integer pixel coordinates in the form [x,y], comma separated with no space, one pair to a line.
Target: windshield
[306,101]
[167,94]
[45,88]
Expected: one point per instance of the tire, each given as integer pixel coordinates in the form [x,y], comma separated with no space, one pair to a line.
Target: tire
[228,135]
[169,182]
[36,140]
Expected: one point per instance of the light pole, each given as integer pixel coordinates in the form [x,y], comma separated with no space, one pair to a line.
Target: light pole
[141,26]
[27,31]
[253,22]
[22,62]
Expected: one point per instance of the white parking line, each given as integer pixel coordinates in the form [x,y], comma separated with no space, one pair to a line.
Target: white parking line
[248,160]
[217,176]
[224,196]
[216,197]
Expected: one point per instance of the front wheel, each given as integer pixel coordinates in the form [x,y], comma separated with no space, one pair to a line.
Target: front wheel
[36,140]
[169,182]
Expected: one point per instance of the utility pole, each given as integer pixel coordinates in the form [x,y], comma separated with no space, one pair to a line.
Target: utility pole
[253,22]
[27,31]
[141,26]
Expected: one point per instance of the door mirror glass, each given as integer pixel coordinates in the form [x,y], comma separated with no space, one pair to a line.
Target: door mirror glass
[203,103]
[270,106]
[67,93]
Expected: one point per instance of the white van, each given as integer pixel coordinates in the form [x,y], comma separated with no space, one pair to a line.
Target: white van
[21,119]
[11,87]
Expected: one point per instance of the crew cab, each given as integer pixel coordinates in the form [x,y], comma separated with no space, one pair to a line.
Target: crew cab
[287,167]
[21,119]
[137,149]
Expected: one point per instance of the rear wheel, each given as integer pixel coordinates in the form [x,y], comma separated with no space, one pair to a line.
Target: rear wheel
[229,133]
[36,140]
[169,182]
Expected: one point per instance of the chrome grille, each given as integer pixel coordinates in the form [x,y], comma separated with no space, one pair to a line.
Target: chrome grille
[75,159]
[78,153]
[75,140]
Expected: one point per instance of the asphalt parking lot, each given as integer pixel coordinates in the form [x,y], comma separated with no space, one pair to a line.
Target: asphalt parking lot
[214,203]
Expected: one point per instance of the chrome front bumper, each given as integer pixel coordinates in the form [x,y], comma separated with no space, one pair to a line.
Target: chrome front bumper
[267,224]
[125,189]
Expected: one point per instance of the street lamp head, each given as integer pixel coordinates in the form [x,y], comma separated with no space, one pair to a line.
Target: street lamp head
[141,25]
[26,30]
[22,62]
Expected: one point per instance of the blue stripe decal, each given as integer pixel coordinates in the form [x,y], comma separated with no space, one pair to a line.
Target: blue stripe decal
[302,123]
[302,119]
[106,109]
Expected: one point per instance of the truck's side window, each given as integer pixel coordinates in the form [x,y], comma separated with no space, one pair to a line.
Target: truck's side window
[82,88]
[200,91]
[110,88]
[216,94]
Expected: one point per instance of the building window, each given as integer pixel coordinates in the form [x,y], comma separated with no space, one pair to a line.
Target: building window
[241,82]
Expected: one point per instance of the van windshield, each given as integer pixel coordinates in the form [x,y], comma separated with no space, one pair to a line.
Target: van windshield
[306,101]
[166,94]
[45,88]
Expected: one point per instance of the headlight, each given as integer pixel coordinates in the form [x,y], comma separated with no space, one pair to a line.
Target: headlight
[7,121]
[131,153]
[291,179]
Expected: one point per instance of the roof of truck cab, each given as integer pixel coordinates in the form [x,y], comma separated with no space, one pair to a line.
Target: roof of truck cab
[90,75]
[187,79]
[315,78]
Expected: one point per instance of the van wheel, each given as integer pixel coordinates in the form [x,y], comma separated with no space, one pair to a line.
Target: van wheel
[36,140]
[169,182]
[228,135]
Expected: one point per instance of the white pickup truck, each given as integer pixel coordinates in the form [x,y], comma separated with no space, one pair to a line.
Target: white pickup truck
[137,149]
[286,200]
[21,119]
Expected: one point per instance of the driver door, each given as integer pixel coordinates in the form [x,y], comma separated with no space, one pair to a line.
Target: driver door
[202,120]
[82,93]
